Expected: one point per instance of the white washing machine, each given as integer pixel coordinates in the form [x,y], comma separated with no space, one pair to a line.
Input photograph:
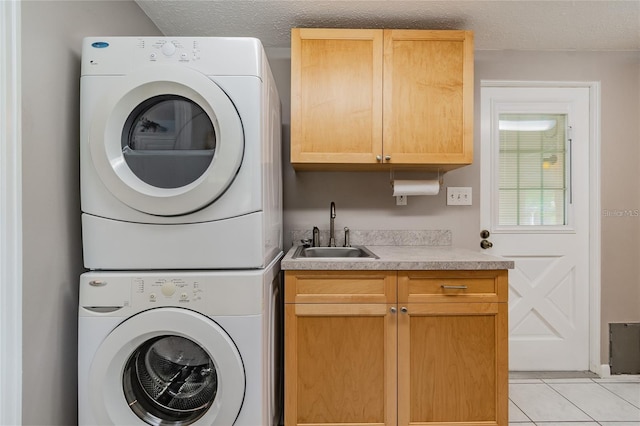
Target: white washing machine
[180,348]
[180,154]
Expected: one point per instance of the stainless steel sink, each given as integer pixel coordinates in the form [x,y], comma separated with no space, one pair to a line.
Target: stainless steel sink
[333,252]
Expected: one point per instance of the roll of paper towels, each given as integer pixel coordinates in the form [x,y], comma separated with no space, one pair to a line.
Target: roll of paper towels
[416,187]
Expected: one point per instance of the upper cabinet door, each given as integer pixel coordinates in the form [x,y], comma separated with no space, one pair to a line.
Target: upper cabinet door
[336,96]
[428,97]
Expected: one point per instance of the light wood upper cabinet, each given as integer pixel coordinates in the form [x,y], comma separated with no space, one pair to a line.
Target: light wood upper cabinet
[380,99]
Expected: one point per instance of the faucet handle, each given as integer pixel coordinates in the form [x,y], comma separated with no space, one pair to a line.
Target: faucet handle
[306,242]
[346,237]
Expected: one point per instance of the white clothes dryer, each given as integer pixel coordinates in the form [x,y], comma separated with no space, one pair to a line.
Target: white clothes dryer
[180,154]
[180,348]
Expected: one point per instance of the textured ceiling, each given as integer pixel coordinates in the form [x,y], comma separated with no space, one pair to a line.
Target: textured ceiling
[509,24]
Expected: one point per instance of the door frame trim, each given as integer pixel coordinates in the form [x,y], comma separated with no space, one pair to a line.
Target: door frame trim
[595,256]
[10,215]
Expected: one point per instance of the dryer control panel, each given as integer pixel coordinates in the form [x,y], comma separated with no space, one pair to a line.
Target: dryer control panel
[181,50]
[119,56]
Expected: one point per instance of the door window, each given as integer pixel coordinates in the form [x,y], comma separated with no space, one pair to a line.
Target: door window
[533,178]
[168,141]
[170,380]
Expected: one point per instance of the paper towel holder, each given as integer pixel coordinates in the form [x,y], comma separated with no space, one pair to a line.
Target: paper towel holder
[440,178]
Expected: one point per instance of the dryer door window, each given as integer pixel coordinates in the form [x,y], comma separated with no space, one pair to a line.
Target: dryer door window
[170,379]
[168,141]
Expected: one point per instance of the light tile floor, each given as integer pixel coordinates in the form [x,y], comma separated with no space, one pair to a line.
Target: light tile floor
[553,400]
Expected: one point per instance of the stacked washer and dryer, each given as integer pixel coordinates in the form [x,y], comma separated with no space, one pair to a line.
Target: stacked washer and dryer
[180,314]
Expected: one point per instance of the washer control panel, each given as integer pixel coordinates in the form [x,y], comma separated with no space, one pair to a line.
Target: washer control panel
[167,291]
[215,293]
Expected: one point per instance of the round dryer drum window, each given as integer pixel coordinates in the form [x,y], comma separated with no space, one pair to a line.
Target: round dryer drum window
[170,380]
[168,141]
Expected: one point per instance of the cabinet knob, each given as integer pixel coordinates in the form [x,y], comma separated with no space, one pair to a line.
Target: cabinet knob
[387,157]
[404,310]
[379,157]
[393,310]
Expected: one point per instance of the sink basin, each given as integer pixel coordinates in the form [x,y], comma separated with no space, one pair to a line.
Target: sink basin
[333,252]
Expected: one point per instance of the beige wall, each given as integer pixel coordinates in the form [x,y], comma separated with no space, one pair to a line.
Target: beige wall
[364,200]
[52,250]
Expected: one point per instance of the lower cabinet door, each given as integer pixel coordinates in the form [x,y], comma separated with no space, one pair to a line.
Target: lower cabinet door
[452,364]
[340,364]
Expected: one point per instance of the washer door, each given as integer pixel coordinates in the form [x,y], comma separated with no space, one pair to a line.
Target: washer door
[166,141]
[167,366]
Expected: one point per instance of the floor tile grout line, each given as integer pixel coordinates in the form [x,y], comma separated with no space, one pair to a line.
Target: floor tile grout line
[621,397]
[571,402]
[550,387]
[522,411]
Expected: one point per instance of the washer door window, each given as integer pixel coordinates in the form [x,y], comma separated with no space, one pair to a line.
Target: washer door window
[170,378]
[167,366]
[166,141]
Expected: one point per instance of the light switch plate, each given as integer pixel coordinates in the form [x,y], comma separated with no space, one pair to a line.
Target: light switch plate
[459,196]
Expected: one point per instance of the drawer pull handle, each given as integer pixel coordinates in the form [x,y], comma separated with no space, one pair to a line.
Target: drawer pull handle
[454,287]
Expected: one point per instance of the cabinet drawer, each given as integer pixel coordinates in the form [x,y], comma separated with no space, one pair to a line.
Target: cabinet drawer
[452,286]
[340,286]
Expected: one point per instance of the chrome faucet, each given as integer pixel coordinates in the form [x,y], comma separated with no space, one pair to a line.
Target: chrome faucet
[332,232]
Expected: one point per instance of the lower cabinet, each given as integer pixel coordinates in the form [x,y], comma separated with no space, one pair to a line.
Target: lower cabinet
[396,348]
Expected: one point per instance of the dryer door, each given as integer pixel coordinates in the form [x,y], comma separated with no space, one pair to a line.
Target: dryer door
[167,366]
[166,141]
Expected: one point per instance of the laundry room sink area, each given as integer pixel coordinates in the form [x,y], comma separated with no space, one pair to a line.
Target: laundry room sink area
[400,310]
[334,252]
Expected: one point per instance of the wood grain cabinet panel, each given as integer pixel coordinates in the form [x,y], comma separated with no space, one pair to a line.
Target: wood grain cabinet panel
[340,287]
[340,364]
[428,97]
[364,99]
[419,358]
[452,364]
[336,96]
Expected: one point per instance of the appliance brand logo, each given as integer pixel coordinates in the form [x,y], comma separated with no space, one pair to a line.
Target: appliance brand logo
[99,44]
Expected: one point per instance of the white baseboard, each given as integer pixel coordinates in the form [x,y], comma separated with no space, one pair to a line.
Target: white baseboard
[605,371]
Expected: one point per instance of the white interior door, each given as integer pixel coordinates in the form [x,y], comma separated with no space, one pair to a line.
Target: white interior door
[535,204]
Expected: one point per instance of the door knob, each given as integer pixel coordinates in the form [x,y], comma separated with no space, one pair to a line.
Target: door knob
[485,244]
[484,234]
[378,157]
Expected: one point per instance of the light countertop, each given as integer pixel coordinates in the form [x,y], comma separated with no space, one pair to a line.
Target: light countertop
[401,257]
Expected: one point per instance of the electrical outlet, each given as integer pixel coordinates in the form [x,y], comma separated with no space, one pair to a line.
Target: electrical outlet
[459,196]
[401,200]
